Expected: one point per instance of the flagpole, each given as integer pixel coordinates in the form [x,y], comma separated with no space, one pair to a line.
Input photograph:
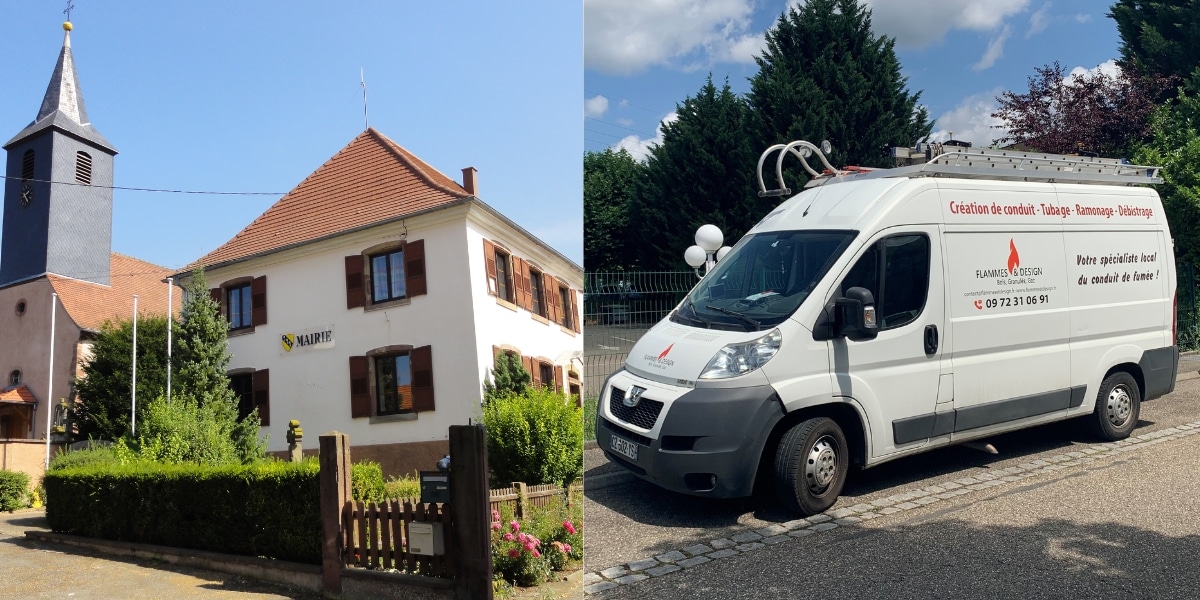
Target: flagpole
[133,384]
[50,386]
[170,318]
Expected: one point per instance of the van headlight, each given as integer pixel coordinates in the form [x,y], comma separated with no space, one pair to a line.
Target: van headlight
[739,359]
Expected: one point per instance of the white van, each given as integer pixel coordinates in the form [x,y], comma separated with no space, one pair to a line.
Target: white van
[880,314]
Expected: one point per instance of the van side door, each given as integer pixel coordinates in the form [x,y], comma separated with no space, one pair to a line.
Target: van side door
[894,378]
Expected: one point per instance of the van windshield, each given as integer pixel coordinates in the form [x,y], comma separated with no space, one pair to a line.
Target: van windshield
[762,280]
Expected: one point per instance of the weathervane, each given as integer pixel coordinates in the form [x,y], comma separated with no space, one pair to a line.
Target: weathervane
[68,10]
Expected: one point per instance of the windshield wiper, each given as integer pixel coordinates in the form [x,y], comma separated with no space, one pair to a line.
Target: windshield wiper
[756,324]
[702,320]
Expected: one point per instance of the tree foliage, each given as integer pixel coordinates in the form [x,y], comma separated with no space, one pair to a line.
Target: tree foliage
[509,378]
[825,76]
[1092,112]
[104,390]
[1158,38]
[609,185]
[186,431]
[536,438]
[201,349]
[1175,146]
[703,172]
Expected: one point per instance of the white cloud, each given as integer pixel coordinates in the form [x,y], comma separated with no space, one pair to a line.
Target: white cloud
[1108,67]
[595,107]
[918,23]
[623,122]
[640,148]
[972,120]
[995,50]
[623,37]
[1038,21]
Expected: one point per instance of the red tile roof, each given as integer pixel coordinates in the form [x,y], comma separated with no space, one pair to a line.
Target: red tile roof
[369,181]
[19,394]
[90,304]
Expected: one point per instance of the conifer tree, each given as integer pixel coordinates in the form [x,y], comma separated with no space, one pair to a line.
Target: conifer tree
[509,378]
[609,185]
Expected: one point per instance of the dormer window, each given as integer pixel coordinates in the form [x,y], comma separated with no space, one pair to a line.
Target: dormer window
[83,168]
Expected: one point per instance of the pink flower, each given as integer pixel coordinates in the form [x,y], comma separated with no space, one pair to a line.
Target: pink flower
[496,525]
[521,537]
[531,547]
[569,527]
[513,553]
[496,515]
[515,526]
[566,548]
[537,554]
[508,537]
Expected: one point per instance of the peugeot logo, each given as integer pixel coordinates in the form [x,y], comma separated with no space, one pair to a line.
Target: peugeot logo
[634,396]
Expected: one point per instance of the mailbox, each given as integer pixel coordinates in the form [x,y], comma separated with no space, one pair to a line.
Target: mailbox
[426,539]
[435,487]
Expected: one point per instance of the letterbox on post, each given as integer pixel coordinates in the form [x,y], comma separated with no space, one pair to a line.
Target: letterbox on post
[435,487]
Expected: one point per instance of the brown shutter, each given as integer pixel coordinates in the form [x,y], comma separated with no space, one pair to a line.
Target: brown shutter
[549,294]
[414,269]
[420,360]
[489,261]
[515,268]
[258,301]
[558,378]
[497,352]
[262,395]
[575,316]
[218,296]
[530,365]
[521,274]
[360,387]
[355,298]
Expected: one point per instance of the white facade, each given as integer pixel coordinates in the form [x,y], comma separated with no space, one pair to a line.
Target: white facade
[306,293]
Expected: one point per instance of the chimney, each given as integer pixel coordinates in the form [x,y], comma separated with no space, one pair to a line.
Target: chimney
[470,182]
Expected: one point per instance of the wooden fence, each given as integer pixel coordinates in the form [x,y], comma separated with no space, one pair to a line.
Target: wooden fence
[376,536]
[523,497]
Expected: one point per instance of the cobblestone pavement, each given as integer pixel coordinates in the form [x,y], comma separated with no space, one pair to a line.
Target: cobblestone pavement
[38,570]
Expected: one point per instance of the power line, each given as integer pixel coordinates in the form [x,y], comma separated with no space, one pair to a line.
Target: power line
[637,131]
[139,189]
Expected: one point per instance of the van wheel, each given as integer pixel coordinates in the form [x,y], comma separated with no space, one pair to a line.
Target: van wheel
[1117,407]
[810,466]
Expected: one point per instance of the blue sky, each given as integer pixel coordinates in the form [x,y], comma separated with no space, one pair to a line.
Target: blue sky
[642,57]
[241,96]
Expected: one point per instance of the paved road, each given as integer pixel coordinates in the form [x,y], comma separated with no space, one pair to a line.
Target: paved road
[36,570]
[640,521]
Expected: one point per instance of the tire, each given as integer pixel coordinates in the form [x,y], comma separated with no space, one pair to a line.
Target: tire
[810,466]
[1118,405]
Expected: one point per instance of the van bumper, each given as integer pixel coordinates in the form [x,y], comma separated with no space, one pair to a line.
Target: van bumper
[709,442]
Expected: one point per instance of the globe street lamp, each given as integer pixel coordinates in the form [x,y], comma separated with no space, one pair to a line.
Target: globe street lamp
[708,249]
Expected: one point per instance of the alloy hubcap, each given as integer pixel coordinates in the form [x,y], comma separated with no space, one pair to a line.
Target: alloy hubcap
[1120,406]
[821,465]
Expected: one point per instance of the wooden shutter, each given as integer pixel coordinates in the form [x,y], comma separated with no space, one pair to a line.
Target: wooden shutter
[262,395]
[258,301]
[414,269]
[420,360]
[489,261]
[530,365]
[497,352]
[360,387]
[355,298]
[521,276]
[218,296]
[558,378]
[575,316]
[550,297]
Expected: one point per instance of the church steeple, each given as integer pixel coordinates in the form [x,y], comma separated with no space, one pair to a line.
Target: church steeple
[63,106]
[58,195]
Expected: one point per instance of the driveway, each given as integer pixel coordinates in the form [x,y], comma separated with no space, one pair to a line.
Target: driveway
[38,570]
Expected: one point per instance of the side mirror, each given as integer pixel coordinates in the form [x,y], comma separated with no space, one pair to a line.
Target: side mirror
[855,315]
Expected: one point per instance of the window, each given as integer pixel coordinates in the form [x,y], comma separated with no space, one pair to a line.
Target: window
[386,273]
[14,378]
[21,307]
[238,305]
[901,288]
[253,391]
[395,380]
[499,266]
[243,388]
[27,161]
[546,375]
[537,294]
[387,276]
[83,167]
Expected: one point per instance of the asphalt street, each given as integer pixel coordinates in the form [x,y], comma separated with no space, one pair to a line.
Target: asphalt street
[1126,527]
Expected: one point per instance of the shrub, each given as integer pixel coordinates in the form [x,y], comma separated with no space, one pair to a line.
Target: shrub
[525,552]
[14,488]
[366,482]
[268,509]
[408,486]
[92,455]
[186,430]
[536,438]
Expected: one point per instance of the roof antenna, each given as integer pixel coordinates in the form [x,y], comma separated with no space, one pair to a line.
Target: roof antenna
[363,82]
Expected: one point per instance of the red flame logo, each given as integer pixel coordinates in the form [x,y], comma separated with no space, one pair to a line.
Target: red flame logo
[664,352]
[1014,259]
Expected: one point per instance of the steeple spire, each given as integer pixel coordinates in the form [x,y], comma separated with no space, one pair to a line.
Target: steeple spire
[62,106]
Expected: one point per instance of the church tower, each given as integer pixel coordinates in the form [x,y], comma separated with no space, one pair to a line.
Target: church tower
[58,194]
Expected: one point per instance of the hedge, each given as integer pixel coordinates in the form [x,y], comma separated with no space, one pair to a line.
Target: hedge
[14,487]
[269,509]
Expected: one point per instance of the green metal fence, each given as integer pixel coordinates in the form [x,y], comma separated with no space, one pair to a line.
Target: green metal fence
[618,307]
[1187,323]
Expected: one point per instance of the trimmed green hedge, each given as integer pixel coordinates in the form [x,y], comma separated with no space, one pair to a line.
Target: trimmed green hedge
[269,509]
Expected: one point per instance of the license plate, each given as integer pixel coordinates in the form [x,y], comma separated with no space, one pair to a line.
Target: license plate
[625,448]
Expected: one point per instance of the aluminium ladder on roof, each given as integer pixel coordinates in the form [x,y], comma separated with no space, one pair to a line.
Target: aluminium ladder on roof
[971,163]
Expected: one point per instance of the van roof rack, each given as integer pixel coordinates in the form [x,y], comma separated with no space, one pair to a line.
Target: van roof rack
[962,162]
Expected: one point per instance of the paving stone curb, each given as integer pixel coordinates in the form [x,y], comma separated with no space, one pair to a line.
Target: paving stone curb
[753,539]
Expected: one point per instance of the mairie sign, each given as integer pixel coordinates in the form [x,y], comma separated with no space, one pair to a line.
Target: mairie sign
[317,338]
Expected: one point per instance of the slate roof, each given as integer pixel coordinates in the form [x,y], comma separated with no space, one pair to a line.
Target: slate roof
[90,304]
[371,180]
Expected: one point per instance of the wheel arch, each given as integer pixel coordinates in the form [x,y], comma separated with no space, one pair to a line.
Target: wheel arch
[1134,371]
[845,413]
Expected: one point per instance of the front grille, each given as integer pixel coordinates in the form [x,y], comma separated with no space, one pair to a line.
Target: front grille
[644,415]
[632,436]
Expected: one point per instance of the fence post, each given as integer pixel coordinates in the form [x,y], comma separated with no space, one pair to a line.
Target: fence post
[469,500]
[335,492]
[522,498]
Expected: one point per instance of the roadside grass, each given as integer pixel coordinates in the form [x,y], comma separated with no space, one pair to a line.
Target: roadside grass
[589,418]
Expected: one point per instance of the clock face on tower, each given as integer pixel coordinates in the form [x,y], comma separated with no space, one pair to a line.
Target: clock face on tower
[26,194]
